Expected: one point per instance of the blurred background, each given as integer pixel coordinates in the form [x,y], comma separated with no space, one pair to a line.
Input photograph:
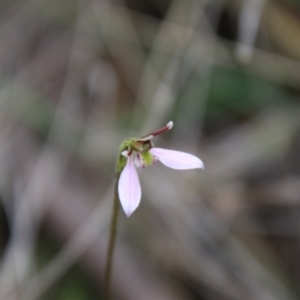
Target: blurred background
[78,77]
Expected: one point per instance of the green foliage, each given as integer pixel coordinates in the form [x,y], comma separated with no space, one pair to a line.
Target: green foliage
[74,285]
[239,94]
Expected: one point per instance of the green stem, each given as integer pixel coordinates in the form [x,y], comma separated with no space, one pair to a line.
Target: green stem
[111,243]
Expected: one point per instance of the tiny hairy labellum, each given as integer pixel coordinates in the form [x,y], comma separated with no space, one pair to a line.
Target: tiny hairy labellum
[140,152]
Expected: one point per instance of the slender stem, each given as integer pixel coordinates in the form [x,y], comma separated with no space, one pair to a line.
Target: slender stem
[111,243]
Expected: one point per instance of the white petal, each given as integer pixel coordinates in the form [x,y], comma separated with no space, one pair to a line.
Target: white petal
[138,161]
[176,159]
[129,188]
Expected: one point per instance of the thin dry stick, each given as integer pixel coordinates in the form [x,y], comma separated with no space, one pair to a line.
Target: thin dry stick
[111,243]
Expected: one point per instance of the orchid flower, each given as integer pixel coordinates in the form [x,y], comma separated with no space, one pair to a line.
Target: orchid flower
[141,152]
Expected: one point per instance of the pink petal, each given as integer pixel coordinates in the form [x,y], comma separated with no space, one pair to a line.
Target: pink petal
[176,159]
[129,188]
